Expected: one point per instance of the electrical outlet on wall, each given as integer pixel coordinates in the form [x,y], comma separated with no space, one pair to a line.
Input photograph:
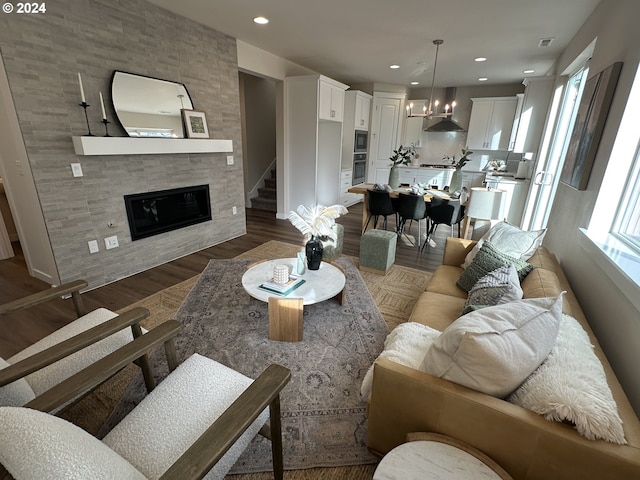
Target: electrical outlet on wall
[234,210]
[76,169]
[229,159]
[111,242]
[93,246]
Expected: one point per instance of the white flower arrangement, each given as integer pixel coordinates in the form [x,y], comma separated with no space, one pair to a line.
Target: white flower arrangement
[317,221]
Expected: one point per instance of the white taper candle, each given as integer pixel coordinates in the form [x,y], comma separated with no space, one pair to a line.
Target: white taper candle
[104,115]
[81,89]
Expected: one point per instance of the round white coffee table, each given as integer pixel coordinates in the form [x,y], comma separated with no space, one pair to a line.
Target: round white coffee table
[437,457]
[320,285]
[285,311]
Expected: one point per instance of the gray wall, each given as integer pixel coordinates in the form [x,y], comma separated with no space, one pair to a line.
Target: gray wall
[43,54]
[612,316]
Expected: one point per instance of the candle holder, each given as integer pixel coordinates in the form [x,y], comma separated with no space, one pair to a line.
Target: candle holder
[85,105]
[106,128]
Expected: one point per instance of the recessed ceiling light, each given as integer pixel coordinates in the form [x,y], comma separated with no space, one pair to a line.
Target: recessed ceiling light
[394,66]
[483,79]
[261,20]
[415,83]
[528,71]
[481,59]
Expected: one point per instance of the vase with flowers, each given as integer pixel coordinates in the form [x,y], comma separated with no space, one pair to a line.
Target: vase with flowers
[316,223]
[456,179]
[401,156]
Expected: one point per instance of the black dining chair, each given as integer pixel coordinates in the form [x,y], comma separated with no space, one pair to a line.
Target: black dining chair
[444,211]
[379,205]
[410,207]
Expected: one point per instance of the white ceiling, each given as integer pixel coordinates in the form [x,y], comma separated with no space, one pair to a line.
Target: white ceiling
[355,41]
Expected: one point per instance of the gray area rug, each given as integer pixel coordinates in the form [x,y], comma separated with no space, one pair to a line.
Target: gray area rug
[323,415]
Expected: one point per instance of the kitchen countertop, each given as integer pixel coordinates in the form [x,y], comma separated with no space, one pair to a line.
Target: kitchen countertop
[431,166]
[505,178]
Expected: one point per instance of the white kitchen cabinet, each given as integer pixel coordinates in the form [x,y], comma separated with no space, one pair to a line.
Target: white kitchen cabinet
[517,191]
[331,101]
[491,123]
[533,114]
[362,110]
[313,146]
[407,175]
[413,126]
[430,176]
[439,177]
[347,199]
[516,121]
[472,179]
[412,132]
[357,107]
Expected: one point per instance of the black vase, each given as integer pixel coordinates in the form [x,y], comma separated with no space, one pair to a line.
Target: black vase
[313,250]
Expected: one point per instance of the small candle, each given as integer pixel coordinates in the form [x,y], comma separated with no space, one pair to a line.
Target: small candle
[104,115]
[81,89]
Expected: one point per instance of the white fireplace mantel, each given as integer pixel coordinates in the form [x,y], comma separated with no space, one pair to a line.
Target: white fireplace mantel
[146,146]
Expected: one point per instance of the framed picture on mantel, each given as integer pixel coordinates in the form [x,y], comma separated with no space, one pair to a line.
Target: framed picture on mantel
[195,124]
[588,127]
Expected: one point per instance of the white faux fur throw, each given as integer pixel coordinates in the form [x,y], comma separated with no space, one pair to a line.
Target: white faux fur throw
[571,385]
[406,345]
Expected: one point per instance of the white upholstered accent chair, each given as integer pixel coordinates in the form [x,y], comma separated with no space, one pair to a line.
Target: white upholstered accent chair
[68,350]
[194,424]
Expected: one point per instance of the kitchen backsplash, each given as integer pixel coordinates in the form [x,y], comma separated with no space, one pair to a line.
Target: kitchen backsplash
[437,145]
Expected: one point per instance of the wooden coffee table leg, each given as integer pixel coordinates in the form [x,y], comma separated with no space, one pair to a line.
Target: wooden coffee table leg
[285,319]
[340,297]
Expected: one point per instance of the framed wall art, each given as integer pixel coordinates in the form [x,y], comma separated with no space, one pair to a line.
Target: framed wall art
[195,124]
[587,130]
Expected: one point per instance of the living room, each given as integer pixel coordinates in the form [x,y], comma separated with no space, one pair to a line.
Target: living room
[42,59]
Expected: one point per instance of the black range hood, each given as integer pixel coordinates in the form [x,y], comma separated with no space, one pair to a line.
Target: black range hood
[446,124]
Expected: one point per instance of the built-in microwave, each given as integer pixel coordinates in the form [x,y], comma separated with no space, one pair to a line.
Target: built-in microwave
[360,143]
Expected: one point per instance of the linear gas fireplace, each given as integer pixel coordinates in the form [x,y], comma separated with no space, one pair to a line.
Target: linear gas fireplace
[152,213]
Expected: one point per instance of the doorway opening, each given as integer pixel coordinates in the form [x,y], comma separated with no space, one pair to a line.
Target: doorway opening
[258,119]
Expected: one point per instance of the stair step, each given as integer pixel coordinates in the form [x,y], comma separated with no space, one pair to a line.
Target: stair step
[270,182]
[267,192]
[264,204]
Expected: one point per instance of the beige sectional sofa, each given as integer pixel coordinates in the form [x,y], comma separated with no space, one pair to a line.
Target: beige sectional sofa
[524,443]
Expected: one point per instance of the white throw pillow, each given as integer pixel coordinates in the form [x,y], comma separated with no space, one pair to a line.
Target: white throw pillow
[510,240]
[571,385]
[17,393]
[37,446]
[493,350]
[406,345]
[497,287]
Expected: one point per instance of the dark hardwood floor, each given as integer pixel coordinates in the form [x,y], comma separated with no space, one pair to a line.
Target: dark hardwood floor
[20,329]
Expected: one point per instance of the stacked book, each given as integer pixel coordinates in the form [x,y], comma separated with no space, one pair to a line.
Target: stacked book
[282,288]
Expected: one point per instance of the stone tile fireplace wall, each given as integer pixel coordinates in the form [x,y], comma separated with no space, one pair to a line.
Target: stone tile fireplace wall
[43,55]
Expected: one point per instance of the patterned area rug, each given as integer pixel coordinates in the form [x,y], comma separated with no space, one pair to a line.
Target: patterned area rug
[395,295]
[323,414]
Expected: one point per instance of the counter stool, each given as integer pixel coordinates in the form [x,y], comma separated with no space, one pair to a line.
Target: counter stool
[377,250]
[434,456]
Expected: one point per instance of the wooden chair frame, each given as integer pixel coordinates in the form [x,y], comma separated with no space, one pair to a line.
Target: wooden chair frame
[130,318]
[220,436]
